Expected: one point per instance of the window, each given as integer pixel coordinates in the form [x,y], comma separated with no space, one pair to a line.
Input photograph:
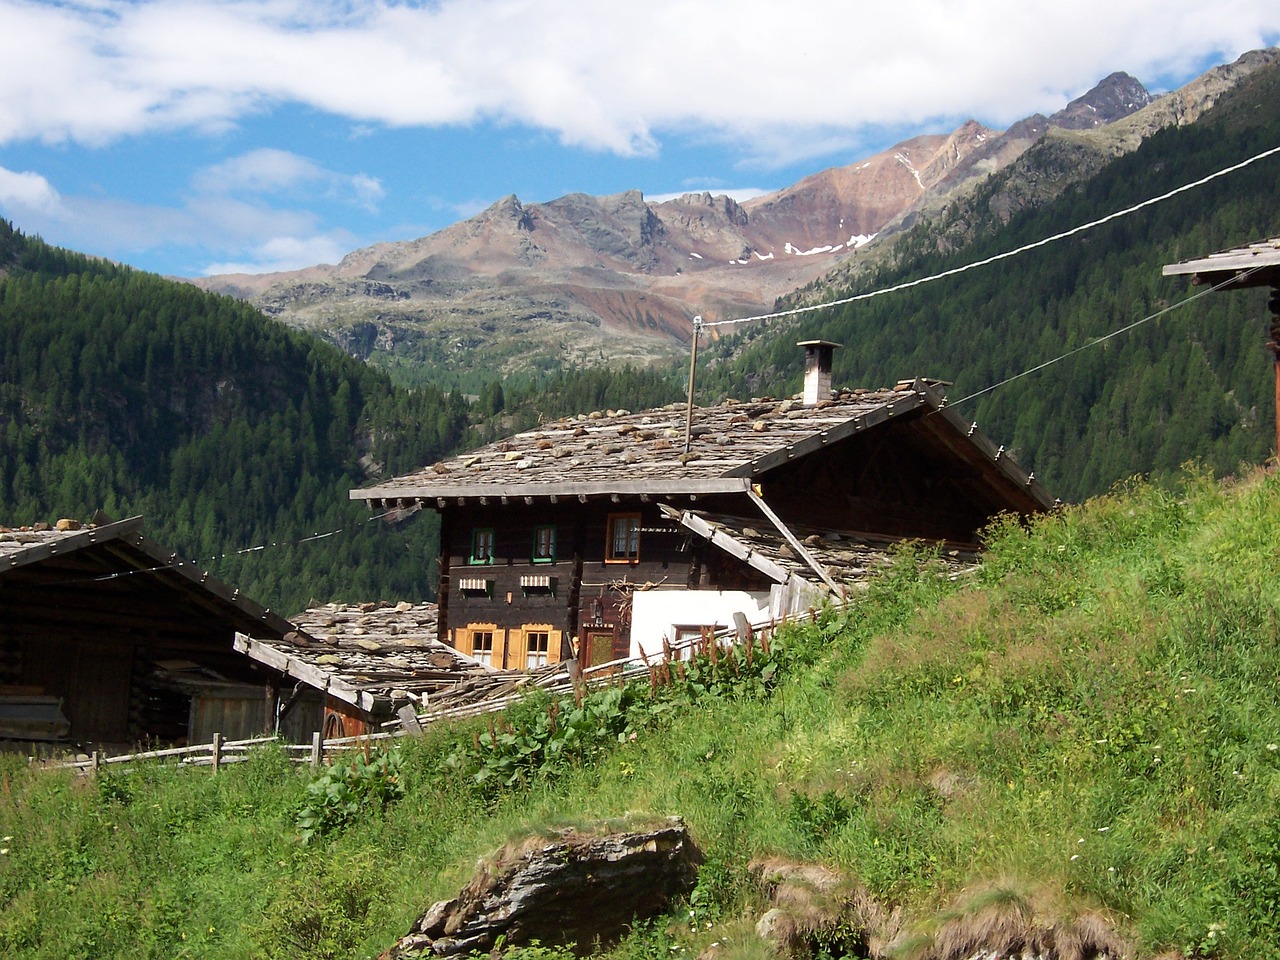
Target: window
[544,544]
[484,641]
[534,645]
[482,646]
[482,545]
[537,644]
[623,544]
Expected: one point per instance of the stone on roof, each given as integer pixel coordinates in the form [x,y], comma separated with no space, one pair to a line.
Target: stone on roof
[847,557]
[620,446]
[372,655]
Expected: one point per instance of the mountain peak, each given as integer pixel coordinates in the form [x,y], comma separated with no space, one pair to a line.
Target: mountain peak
[1115,97]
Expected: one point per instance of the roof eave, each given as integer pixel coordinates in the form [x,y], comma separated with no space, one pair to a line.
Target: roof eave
[1009,468]
[429,494]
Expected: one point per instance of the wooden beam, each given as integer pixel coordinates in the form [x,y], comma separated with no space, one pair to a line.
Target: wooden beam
[565,488]
[796,545]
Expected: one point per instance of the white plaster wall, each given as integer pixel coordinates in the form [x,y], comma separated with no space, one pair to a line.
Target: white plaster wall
[655,612]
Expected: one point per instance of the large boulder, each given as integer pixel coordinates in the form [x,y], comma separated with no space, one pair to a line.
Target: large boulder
[580,887]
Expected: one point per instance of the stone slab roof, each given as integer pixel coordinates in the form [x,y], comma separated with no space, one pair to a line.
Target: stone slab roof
[847,558]
[620,451]
[371,655]
[113,552]
[733,444]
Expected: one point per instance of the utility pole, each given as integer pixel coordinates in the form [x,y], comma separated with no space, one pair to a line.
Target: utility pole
[693,366]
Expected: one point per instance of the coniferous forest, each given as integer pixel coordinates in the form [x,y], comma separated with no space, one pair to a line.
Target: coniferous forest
[123,391]
[126,392]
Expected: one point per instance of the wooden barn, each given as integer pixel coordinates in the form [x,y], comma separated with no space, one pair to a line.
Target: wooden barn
[108,638]
[596,536]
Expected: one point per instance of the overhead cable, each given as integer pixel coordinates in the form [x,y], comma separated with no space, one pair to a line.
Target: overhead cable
[810,308]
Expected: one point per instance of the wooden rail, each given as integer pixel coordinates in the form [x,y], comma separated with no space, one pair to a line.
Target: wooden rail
[219,752]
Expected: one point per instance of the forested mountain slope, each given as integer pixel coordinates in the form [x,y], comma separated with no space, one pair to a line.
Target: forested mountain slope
[1194,384]
[124,391]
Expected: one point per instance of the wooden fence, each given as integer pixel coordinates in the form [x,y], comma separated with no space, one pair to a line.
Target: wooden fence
[558,679]
[219,752]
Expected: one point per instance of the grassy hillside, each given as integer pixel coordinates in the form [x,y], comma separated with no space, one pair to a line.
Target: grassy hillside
[1195,384]
[1086,729]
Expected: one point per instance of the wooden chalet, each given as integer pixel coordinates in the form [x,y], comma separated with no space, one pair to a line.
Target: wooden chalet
[107,637]
[597,536]
[365,660]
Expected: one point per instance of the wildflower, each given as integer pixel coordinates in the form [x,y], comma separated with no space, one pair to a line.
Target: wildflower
[1273,747]
[1075,856]
[4,851]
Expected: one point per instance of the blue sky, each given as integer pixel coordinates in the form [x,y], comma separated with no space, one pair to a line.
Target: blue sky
[192,137]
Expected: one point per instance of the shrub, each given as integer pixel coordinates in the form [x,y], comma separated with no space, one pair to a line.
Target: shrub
[346,791]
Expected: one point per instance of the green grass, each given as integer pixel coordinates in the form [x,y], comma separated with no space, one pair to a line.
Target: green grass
[1088,727]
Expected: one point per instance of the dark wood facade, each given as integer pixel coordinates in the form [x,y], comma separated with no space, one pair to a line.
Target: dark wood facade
[580,594]
[136,644]
[892,465]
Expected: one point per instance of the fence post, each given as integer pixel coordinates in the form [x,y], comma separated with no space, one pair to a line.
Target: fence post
[93,758]
[317,749]
[217,751]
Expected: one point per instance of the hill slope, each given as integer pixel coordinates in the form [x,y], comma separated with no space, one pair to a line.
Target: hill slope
[1195,384]
[1078,745]
[123,391]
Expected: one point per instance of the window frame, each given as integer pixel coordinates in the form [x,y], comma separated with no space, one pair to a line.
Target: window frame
[541,656]
[611,538]
[478,535]
[538,531]
[486,656]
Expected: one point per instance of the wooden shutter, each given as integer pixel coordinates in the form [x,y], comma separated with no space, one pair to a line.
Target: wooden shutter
[517,649]
[462,640]
[554,640]
[499,660]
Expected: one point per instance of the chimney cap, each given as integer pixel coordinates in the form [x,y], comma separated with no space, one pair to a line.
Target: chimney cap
[817,343]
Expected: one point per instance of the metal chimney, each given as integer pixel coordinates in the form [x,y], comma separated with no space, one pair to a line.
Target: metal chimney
[817,370]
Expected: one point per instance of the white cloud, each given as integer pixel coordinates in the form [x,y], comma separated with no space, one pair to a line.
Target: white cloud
[269,171]
[28,192]
[741,194]
[281,253]
[792,78]
[215,219]
[258,171]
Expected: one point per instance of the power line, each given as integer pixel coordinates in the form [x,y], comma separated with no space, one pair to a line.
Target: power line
[198,564]
[1106,336]
[795,311]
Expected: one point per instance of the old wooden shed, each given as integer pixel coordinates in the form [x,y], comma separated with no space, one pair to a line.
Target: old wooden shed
[134,642]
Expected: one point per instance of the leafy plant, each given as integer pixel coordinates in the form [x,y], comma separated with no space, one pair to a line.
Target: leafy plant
[345,792]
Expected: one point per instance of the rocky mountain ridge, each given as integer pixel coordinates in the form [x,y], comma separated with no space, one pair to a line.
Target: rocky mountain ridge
[584,279]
